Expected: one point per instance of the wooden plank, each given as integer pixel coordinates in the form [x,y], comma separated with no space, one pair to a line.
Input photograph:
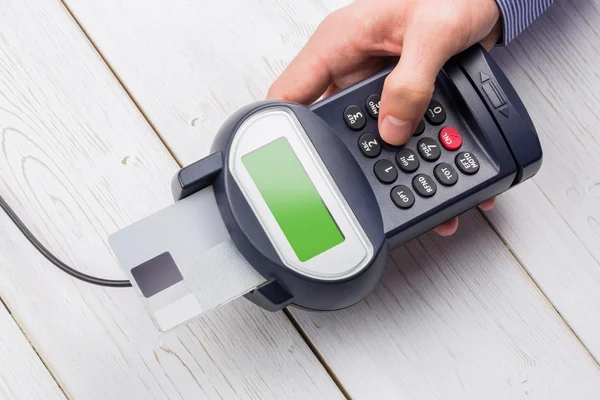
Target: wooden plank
[22,373]
[552,226]
[461,307]
[454,318]
[205,59]
[78,162]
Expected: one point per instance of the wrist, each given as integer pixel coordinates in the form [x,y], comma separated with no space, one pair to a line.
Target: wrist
[495,35]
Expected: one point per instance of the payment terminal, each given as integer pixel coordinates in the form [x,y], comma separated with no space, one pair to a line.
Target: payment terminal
[299,206]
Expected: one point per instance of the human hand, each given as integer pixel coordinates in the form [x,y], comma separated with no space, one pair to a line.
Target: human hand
[353,42]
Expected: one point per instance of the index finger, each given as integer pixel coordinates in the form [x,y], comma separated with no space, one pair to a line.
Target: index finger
[328,54]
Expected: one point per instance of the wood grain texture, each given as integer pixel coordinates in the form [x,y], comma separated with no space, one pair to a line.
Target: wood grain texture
[553,225]
[453,318]
[197,62]
[78,162]
[22,373]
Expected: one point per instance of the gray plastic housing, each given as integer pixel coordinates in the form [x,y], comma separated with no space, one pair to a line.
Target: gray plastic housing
[248,235]
[505,142]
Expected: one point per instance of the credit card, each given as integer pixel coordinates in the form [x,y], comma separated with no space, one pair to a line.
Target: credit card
[182,261]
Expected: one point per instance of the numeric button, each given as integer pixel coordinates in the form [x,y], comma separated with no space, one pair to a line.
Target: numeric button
[407,160]
[369,145]
[402,197]
[372,105]
[467,163]
[420,129]
[355,118]
[436,115]
[385,171]
[424,185]
[429,149]
[445,174]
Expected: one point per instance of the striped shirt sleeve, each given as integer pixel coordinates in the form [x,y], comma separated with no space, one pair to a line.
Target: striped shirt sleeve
[518,14]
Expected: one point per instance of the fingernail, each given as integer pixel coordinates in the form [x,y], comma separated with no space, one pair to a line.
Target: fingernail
[395,131]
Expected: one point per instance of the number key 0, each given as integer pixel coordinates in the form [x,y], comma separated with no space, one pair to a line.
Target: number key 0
[436,115]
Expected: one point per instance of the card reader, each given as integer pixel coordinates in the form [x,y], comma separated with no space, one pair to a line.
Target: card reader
[299,206]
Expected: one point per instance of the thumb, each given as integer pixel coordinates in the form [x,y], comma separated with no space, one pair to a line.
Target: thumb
[408,88]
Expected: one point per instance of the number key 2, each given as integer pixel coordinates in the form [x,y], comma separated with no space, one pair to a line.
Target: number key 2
[369,145]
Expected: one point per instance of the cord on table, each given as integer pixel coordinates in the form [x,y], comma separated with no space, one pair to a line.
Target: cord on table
[53,259]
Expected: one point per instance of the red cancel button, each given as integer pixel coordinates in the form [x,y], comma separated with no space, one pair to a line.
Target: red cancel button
[450,138]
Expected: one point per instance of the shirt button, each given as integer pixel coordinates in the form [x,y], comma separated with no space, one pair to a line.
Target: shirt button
[428,149]
[407,160]
[372,105]
[369,145]
[385,171]
[467,163]
[450,138]
[354,117]
[402,197]
[445,174]
[424,185]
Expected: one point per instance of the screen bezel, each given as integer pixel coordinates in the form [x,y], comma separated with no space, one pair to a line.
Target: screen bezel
[340,261]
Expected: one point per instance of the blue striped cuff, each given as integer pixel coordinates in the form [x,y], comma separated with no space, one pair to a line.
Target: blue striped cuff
[518,14]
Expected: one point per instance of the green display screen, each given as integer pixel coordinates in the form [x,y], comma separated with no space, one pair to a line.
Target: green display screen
[293,199]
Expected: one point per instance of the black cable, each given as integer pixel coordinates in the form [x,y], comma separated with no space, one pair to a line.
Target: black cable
[53,259]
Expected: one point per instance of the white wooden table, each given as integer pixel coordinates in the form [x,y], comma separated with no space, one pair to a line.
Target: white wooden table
[102,101]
